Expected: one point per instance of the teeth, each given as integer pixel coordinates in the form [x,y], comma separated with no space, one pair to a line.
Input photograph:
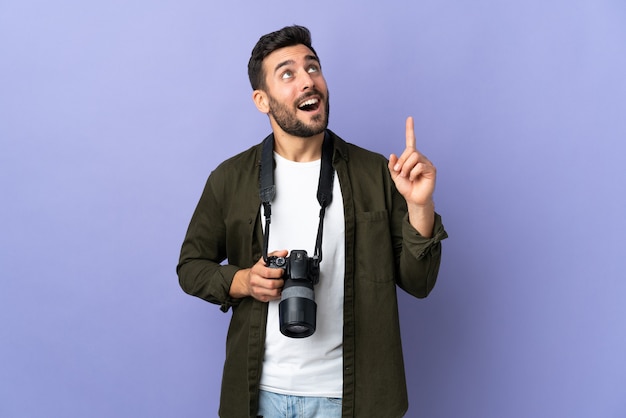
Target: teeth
[308,103]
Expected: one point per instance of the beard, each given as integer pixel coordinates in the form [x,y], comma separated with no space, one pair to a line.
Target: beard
[288,120]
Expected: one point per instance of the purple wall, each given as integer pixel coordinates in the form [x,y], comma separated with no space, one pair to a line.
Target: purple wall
[113,113]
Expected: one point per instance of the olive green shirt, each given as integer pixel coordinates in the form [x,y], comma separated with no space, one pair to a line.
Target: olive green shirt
[382,250]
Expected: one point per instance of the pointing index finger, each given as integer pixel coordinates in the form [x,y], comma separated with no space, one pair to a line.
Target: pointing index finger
[410,133]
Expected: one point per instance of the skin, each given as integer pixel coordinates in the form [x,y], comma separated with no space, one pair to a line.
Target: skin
[293,75]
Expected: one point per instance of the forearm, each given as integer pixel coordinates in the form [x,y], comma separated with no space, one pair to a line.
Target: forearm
[422,218]
[420,258]
[207,280]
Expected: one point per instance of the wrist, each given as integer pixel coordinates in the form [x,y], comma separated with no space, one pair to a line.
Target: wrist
[239,286]
[422,208]
[422,217]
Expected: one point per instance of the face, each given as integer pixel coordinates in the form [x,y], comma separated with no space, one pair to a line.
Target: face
[296,92]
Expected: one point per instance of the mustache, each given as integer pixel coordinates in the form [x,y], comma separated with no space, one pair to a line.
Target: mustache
[311,93]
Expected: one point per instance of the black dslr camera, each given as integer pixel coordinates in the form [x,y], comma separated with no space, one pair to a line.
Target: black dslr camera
[297,308]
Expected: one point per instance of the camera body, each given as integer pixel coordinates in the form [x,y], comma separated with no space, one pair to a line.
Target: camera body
[297,309]
[298,266]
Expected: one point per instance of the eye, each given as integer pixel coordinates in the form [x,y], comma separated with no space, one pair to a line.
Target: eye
[313,68]
[286,75]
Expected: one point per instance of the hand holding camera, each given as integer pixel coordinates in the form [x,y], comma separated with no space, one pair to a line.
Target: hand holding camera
[260,282]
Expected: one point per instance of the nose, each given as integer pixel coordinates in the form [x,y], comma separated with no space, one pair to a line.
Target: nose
[307,81]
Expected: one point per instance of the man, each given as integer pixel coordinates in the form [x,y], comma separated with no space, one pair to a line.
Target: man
[378,230]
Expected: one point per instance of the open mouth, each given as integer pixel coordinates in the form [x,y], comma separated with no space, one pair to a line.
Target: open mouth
[310,105]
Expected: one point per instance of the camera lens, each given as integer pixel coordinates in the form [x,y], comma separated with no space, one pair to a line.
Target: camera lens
[297,309]
[298,329]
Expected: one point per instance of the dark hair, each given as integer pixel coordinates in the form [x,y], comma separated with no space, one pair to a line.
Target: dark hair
[287,36]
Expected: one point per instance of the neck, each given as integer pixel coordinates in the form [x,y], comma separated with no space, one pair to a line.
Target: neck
[298,149]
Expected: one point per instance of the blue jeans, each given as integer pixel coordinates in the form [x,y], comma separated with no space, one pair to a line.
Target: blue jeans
[274,405]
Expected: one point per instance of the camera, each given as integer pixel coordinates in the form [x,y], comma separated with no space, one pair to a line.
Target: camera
[297,309]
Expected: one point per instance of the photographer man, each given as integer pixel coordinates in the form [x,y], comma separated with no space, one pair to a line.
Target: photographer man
[357,223]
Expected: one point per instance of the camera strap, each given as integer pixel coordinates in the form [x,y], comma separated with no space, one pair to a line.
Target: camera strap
[267,188]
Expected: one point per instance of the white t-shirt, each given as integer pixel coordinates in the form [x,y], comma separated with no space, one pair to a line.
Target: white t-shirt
[311,366]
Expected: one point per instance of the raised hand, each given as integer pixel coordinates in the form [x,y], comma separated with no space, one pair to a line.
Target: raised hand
[414,176]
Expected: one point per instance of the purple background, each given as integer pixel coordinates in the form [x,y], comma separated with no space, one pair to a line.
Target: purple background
[113,113]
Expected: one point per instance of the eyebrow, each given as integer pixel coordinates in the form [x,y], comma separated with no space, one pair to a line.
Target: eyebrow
[291,62]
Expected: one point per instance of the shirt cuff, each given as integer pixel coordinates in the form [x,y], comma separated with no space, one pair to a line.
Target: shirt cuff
[419,245]
[228,273]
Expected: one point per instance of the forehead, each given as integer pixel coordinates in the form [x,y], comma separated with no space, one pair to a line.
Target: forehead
[295,53]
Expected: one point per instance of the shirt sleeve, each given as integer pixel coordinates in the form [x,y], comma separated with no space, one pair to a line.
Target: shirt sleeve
[420,258]
[418,245]
[201,268]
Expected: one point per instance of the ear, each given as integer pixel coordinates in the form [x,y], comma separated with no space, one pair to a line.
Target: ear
[260,99]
